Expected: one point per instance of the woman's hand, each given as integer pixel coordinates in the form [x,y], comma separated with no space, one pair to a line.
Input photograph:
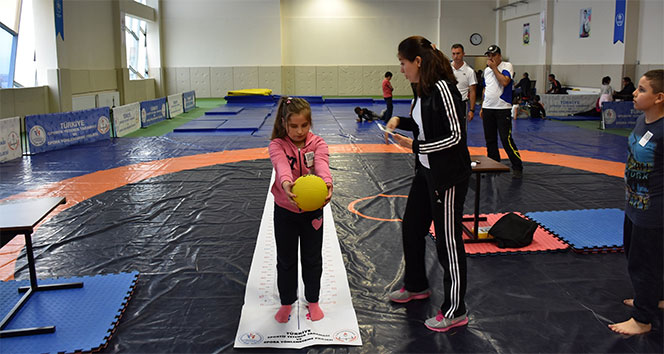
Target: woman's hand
[329,193]
[287,186]
[391,125]
[403,141]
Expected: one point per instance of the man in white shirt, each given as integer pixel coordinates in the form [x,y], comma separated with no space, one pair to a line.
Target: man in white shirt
[466,80]
[496,109]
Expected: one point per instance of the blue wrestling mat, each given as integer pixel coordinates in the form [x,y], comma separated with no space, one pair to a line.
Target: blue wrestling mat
[587,231]
[574,118]
[224,110]
[84,318]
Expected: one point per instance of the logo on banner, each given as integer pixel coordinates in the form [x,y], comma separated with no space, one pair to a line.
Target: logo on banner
[37,135]
[251,338]
[620,19]
[13,141]
[609,116]
[103,125]
[346,336]
[144,114]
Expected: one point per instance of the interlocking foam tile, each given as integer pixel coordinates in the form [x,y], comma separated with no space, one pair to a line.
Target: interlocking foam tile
[357,100]
[587,231]
[84,318]
[543,240]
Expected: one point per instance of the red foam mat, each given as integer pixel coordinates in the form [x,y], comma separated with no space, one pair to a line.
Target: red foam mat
[543,240]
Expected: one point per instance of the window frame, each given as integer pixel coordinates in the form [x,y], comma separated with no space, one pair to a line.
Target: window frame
[12,56]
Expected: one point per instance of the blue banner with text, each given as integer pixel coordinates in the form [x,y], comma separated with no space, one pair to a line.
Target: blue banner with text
[189,100]
[153,111]
[619,114]
[58,130]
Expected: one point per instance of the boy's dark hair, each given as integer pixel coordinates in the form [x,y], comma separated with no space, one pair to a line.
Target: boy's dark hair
[358,110]
[286,107]
[628,79]
[552,76]
[388,74]
[656,79]
[525,74]
[458,45]
[435,65]
[537,98]
[606,80]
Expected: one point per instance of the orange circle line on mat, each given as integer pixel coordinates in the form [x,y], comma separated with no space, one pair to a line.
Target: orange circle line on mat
[351,206]
[80,188]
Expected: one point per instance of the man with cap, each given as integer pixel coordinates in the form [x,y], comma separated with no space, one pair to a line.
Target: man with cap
[496,109]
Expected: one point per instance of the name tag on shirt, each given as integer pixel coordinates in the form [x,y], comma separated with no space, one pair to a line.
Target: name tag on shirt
[309,159]
[645,138]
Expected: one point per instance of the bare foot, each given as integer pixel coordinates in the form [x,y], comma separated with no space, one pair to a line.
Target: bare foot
[283,314]
[631,326]
[630,303]
[315,312]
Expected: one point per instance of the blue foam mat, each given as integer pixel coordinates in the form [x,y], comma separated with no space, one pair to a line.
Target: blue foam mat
[199,125]
[84,318]
[358,100]
[224,110]
[586,230]
[250,99]
[574,118]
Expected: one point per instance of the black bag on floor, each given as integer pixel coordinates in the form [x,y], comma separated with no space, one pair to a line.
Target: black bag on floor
[513,231]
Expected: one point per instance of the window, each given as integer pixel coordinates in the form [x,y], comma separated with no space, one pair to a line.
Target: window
[137,54]
[8,39]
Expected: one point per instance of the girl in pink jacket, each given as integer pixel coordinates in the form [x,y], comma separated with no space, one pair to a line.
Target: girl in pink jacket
[295,151]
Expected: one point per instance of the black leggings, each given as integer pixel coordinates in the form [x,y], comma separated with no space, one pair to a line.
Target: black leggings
[445,208]
[289,227]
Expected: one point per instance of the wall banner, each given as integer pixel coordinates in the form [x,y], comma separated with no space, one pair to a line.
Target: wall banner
[153,111]
[174,105]
[10,139]
[126,119]
[586,16]
[619,22]
[619,114]
[58,130]
[189,100]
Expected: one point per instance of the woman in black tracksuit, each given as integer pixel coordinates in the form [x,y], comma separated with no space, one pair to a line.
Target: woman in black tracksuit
[441,178]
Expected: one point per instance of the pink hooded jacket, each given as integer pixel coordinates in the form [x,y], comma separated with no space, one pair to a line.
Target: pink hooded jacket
[291,162]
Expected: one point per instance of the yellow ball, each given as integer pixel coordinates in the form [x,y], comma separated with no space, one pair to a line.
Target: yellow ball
[311,192]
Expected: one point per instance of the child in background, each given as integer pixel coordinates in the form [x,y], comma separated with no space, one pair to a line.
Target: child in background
[644,207]
[366,114]
[537,109]
[387,95]
[296,151]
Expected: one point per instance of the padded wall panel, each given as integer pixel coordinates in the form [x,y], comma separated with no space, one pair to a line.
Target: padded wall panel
[80,81]
[305,80]
[171,81]
[350,80]
[103,80]
[200,81]
[183,80]
[399,82]
[270,77]
[7,108]
[372,79]
[327,80]
[245,77]
[221,81]
[287,80]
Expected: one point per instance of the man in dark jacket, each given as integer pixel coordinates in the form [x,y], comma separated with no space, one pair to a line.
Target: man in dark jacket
[626,93]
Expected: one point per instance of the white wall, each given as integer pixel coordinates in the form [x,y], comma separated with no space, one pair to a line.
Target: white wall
[203,33]
[461,18]
[358,32]
[651,28]
[518,53]
[88,30]
[568,48]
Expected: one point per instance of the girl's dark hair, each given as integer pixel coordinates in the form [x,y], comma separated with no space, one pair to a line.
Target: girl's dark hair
[435,65]
[606,80]
[286,107]
[656,79]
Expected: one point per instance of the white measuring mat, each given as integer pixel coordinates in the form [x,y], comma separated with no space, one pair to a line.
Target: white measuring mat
[258,328]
